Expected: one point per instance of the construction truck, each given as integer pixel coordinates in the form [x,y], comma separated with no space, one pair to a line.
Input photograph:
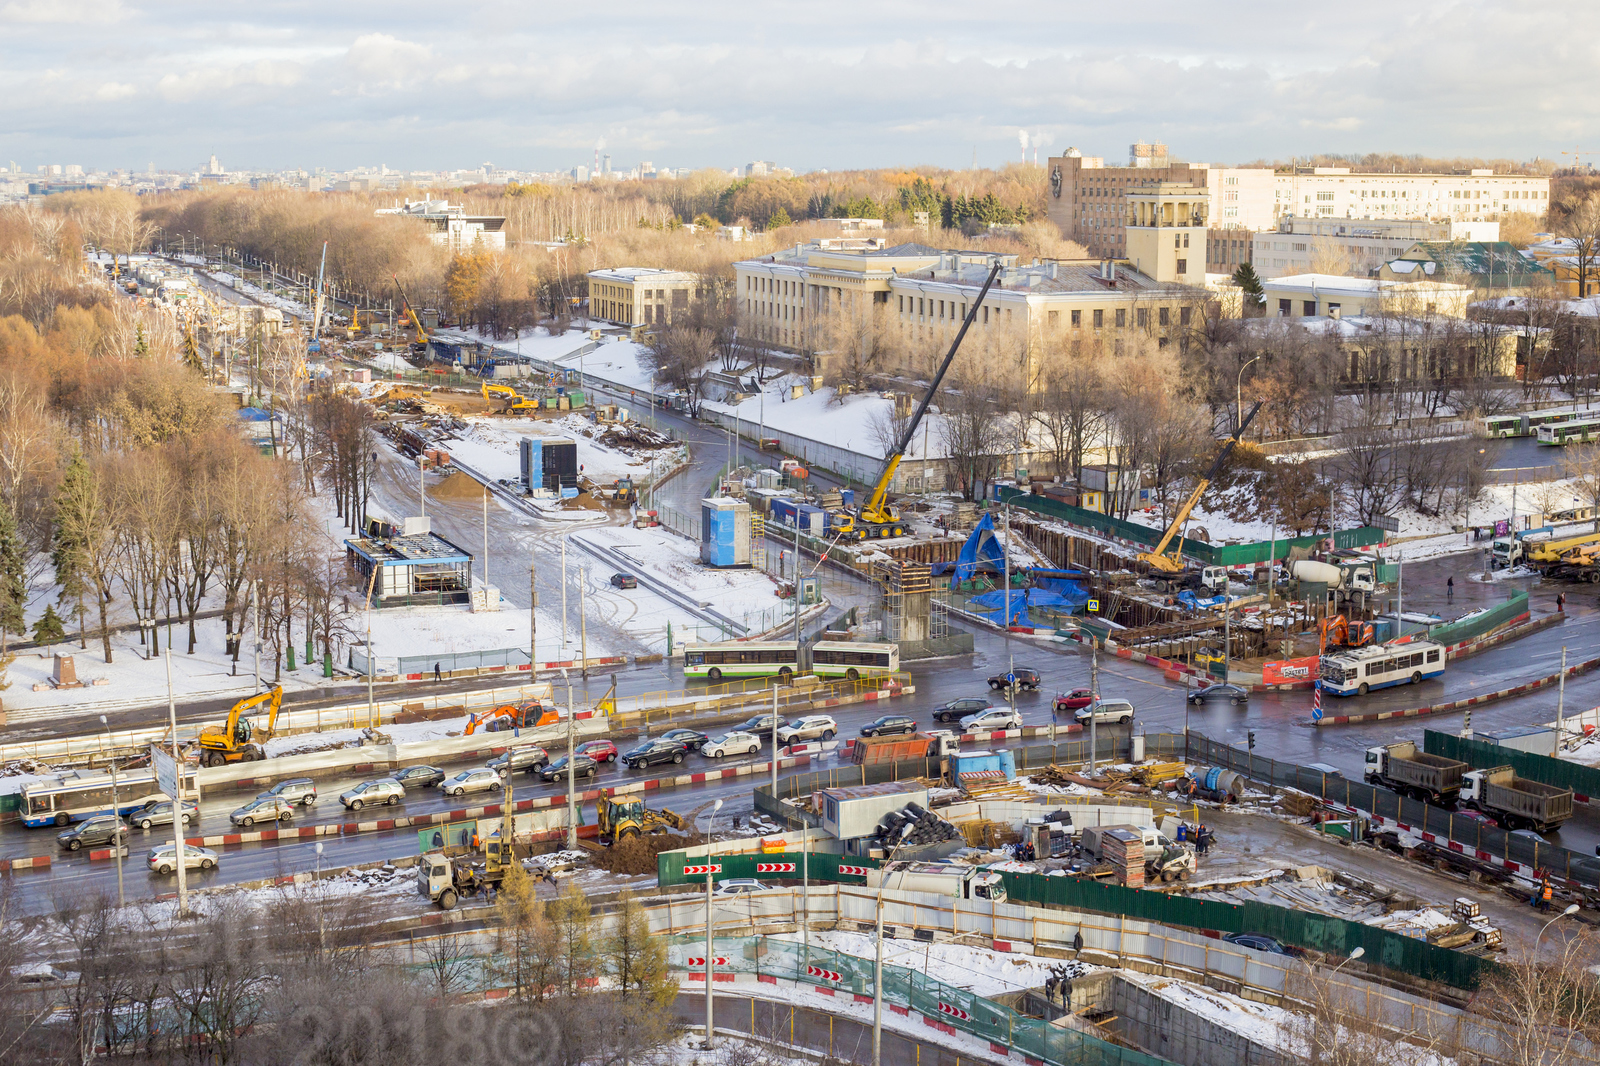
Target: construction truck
[1401,767]
[941,879]
[1516,801]
[1171,567]
[239,739]
[447,878]
[621,817]
[878,517]
[1175,863]
[515,402]
[1513,549]
[1540,552]
[1339,632]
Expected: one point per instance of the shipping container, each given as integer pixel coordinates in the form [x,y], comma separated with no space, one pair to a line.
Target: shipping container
[854,811]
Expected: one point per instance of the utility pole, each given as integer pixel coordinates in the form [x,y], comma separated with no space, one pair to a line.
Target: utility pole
[422,490]
[120,841]
[177,801]
[1561,699]
[563,596]
[583,619]
[1094,697]
[533,614]
[486,539]
[572,803]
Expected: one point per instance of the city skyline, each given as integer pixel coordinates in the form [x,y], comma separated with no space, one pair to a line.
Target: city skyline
[115,84]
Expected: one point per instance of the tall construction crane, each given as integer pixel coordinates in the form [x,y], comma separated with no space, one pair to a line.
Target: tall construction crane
[421,343]
[1158,560]
[877,517]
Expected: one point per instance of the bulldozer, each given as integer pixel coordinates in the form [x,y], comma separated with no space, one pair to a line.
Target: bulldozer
[622,817]
[239,740]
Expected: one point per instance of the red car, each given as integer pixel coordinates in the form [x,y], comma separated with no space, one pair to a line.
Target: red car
[599,750]
[1076,700]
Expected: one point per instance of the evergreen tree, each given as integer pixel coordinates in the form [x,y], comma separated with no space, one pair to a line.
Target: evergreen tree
[634,959]
[1245,277]
[68,547]
[48,629]
[780,219]
[13,578]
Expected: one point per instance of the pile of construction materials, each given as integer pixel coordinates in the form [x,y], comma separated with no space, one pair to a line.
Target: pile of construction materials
[927,827]
[1124,850]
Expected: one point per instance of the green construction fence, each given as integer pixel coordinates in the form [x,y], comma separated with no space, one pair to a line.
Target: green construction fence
[1212,554]
[1482,755]
[819,865]
[1477,624]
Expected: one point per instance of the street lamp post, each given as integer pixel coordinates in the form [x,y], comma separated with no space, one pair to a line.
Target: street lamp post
[120,842]
[877,966]
[572,804]
[711,821]
[1238,391]
[1572,908]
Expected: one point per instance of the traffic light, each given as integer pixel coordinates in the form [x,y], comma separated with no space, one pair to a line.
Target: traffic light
[1252,735]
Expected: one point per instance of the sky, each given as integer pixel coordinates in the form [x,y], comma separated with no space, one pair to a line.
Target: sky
[825,84]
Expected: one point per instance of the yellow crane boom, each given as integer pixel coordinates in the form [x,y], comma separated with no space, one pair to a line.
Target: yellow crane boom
[1158,559]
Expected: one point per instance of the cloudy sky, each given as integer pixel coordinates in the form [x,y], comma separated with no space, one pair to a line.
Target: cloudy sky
[344,83]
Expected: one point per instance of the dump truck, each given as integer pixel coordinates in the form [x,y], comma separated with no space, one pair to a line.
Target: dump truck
[1517,802]
[867,751]
[944,879]
[1410,772]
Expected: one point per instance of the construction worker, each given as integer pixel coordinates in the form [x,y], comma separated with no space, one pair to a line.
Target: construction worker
[474,841]
[437,676]
[1546,890]
[1561,602]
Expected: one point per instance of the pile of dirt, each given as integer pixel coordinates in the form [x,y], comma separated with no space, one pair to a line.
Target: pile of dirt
[637,855]
[458,486]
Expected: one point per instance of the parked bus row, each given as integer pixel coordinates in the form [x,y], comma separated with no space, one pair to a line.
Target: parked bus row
[1528,423]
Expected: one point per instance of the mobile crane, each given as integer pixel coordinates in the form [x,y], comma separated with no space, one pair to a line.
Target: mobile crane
[239,740]
[1171,566]
[878,517]
[407,311]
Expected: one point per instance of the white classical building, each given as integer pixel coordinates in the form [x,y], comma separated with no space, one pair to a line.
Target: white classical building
[450,225]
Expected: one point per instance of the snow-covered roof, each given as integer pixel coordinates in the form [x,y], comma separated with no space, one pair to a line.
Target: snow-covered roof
[1332,284]
[633,274]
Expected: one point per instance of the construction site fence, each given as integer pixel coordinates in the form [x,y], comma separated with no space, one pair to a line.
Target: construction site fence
[1477,838]
[1216,555]
[1482,755]
[445,662]
[756,692]
[910,990]
[1481,622]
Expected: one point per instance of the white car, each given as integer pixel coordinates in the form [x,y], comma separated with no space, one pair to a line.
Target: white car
[474,780]
[1120,711]
[811,727]
[991,721]
[731,743]
[738,886]
[194,857]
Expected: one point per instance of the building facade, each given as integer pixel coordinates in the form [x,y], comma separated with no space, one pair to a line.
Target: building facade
[1334,192]
[1490,268]
[450,225]
[1336,296]
[1301,245]
[635,296]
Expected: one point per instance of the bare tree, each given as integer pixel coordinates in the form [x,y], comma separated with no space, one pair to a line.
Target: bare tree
[449,962]
[1579,222]
[971,430]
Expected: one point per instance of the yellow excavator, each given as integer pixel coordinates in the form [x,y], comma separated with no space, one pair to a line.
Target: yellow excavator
[878,517]
[515,401]
[621,817]
[408,312]
[239,740]
[1171,565]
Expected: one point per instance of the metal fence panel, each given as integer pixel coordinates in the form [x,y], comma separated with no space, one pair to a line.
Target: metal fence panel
[1481,755]
[1476,625]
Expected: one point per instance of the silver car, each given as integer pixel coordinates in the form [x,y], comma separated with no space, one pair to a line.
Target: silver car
[475,780]
[385,790]
[194,857]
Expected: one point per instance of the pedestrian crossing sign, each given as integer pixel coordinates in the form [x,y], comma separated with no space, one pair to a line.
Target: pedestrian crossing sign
[1094,605]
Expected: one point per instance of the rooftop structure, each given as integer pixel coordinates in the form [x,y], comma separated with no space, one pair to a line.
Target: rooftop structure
[415,565]
[1484,265]
[1359,247]
[450,225]
[632,296]
[1338,296]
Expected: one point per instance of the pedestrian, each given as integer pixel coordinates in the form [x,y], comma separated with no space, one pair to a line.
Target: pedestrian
[1450,589]
[1561,602]
[437,676]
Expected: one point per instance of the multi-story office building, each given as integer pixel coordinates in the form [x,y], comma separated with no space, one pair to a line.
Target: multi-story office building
[1334,192]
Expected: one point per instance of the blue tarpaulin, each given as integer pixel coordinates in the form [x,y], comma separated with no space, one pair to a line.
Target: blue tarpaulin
[255,414]
[981,553]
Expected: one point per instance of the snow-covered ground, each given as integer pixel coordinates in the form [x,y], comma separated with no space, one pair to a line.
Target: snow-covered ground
[489,446]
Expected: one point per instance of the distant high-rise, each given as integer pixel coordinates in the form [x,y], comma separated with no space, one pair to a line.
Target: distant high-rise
[213,167]
[1146,156]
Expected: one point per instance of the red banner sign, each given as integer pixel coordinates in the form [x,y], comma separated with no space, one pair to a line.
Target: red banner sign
[1287,671]
[826,975]
[954,1012]
[859,871]
[774,867]
[713,869]
[717,961]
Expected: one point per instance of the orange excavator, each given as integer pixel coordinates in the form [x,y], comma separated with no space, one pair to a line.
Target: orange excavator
[524,714]
[1338,632]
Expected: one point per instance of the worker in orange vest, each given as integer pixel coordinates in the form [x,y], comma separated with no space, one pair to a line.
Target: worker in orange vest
[474,841]
[1544,895]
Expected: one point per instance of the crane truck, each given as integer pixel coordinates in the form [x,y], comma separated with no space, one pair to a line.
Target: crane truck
[238,740]
[1159,563]
[420,345]
[878,517]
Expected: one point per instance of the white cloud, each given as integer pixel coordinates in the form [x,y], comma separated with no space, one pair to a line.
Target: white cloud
[380,57]
[112,90]
[62,11]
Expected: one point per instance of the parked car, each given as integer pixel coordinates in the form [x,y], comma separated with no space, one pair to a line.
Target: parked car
[530,758]
[691,739]
[1076,700]
[654,751]
[1326,769]
[301,790]
[101,829]
[582,766]
[161,859]
[811,727]
[1027,679]
[1262,942]
[159,812]
[624,581]
[477,779]
[732,742]
[761,724]
[1479,816]
[1120,711]
[1222,692]
[991,721]
[385,790]
[738,886]
[263,809]
[418,776]
[599,750]
[889,725]
[958,709]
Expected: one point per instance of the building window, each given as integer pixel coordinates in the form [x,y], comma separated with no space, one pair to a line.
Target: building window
[1142,317]
[902,304]
[1183,315]
[985,320]
[1077,319]
[1099,318]
[1308,308]
[1186,240]
[1122,317]
[1162,315]
[1054,319]
[1183,266]
[1283,308]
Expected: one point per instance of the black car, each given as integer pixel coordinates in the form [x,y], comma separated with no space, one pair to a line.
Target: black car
[889,725]
[654,751]
[1027,679]
[761,724]
[582,766]
[101,829]
[418,776]
[624,581]
[1262,942]
[530,758]
[956,710]
[1232,695]
[691,740]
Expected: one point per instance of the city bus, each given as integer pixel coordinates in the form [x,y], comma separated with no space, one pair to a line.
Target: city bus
[1527,423]
[739,658]
[852,659]
[1359,670]
[83,794]
[1577,429]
